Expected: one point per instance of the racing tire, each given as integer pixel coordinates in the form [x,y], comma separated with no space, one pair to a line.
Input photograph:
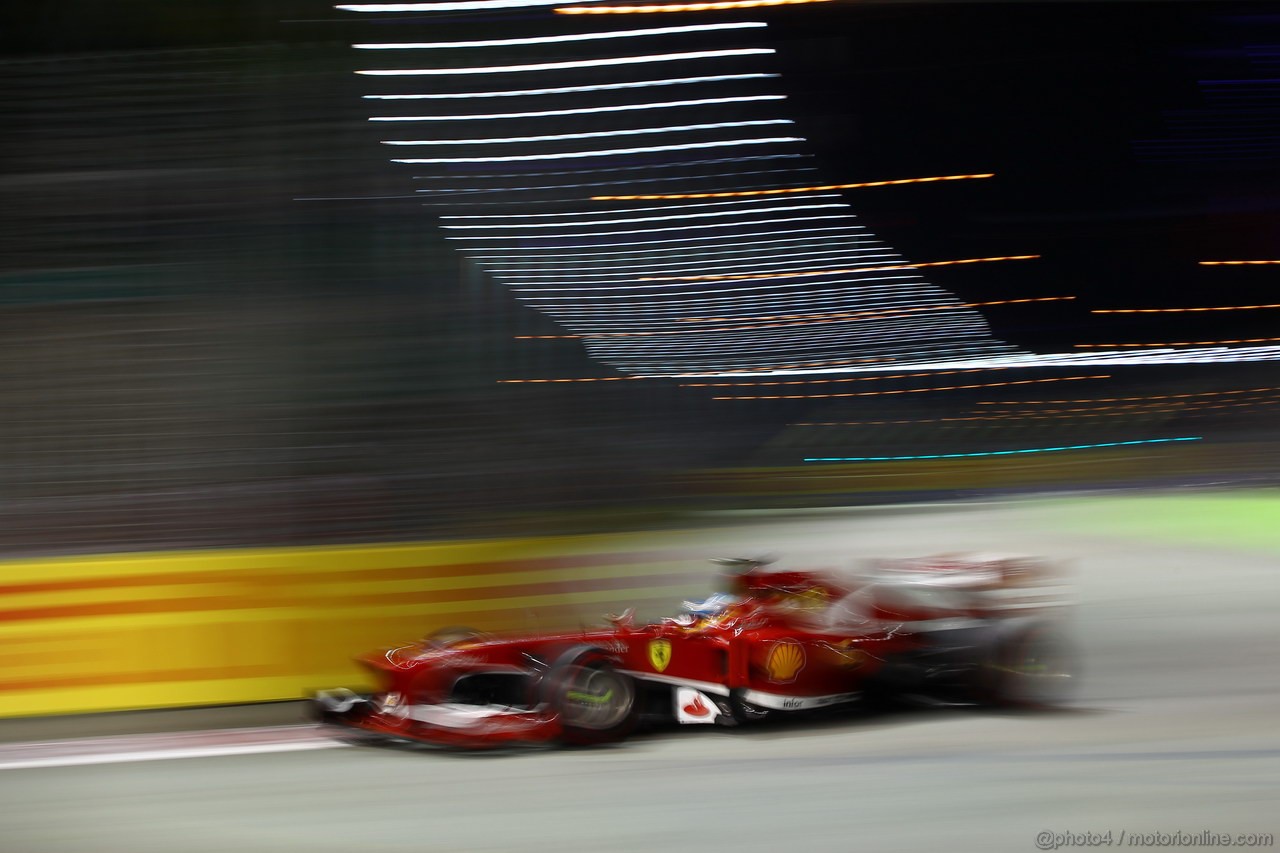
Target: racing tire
[595,702]
[1031,665]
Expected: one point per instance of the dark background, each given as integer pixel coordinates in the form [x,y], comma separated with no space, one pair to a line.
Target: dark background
[226,320]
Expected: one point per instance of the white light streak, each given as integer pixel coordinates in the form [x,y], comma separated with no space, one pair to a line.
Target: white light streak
[659,230]
[568,90]
[595,222]
[735,212]
[808,232]
[601,134]
[607,152]
[564,37]
[690,206]
[699,102]
[732,248]
[737,290]
[561,66]
[650,167]
[456,6]
[722,264]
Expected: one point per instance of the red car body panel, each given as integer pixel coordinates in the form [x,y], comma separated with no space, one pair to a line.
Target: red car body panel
[784,641]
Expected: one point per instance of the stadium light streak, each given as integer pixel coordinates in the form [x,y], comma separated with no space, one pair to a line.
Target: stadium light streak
[884,314]
[592,169]
[569,381]
[1050,414]
[563,37]
[625,210]
[696,102]
[742,298]
[513,277]
[660,230]
[781,191]
[1186,396]
[737,294]
[807,232]
[1179,343]
[842,271]
[497,140]
[612,269]
[898,391]
[569,90]
[1180,310]
[454,6]
[674,216]
[894,332]
[715,5]
[1235,263]
[470,191]
[906,308]
[564,66]
[570,155]
[1001,452]
[828,319]
[885,376]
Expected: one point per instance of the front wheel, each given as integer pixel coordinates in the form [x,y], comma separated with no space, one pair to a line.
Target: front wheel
[595,702]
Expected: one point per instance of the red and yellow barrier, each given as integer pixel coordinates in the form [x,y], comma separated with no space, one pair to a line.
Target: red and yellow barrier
[100,633]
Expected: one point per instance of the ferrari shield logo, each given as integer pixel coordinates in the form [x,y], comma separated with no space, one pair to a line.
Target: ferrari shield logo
[659,654]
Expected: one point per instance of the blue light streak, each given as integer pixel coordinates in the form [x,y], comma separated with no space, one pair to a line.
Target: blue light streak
[999,452]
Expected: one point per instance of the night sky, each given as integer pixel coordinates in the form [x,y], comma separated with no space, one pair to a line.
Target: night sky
[207,168]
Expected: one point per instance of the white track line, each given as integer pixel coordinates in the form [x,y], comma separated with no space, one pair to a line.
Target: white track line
[130,748]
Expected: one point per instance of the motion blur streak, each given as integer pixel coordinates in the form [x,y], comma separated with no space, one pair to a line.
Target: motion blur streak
[842,271]
[456,6]
[913,390]
[562,66]
[1235,263]
[1181,343]
[568,37]
[702,102]
[1003,452]
[679,7]
[567,90]
[792,189]
[1180,310]
[571,155]
[678,128]
[1126,399]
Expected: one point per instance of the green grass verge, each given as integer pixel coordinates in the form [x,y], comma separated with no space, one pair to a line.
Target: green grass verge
[1248,520]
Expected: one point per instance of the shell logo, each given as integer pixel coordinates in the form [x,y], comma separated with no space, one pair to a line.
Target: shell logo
[785,661]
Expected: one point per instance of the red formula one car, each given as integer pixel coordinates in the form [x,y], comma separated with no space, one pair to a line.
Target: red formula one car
[950,629]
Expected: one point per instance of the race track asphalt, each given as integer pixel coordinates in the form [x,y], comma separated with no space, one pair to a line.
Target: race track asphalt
[1176,728]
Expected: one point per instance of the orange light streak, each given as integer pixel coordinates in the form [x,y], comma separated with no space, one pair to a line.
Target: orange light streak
[678,7]
[837,271]
[787,190]
[801,320]
[913,390]
[1180,343]
[1127,399]
[1235,263]
[843,379]
[1179,310]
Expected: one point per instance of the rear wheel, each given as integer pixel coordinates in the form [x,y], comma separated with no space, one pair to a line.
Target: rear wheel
[1033,666]
[596,703]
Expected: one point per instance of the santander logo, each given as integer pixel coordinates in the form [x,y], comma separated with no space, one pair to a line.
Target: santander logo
[697,708]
